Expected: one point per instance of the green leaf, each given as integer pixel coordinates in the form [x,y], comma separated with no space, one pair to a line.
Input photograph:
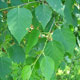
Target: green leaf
[18,20]
[31,6]
[67,12]
[32,39]
[50,24]
[15,2]
[36,73]
[30,60]
[75,10]
[63,65]
[3,4]
[17,54]
[35,21]
[5,64]
[56,51]
[2,38]
[56,6]
[66,37]
[47,67]
[43,14]
[26,72]
[78,1]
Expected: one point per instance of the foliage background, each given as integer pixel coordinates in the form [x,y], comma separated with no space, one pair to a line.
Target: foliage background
[39,39]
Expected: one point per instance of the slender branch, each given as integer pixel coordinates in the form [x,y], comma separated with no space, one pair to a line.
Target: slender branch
[52,25]
[42,52]
[35,61]
[19,5]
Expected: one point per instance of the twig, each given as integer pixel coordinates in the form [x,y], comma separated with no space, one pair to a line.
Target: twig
[42,52]
[52,25]
[18,5]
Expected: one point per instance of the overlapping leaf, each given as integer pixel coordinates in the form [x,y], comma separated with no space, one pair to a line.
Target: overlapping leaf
[5,66]
[32,39]
[17,54]
[3,4]
[66,37]
[47,67]
[56,51]
[18,20]
[56,6]
[26,72]
[68,12]
[78,1]
[15,2]
[43,14]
